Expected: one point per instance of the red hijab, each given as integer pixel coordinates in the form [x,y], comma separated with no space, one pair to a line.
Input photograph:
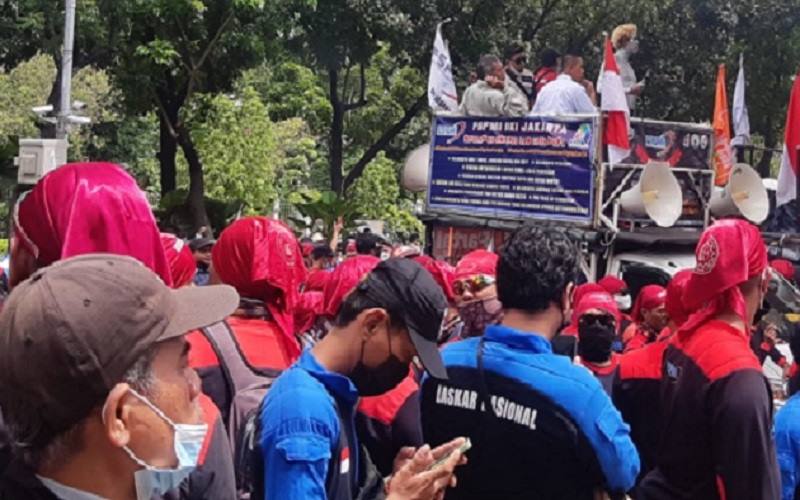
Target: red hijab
[676,289]
[477,262]
[261,258]
[442,273]
[650,297]
[729,253]
[343,279]
[82,208]
[181,261]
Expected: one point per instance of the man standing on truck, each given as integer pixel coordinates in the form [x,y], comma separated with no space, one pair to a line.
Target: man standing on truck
[491,95]
[570,93]
[715,400]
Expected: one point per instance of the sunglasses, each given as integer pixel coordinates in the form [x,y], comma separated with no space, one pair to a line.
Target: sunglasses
[473,285]
[596,319]
[520,60]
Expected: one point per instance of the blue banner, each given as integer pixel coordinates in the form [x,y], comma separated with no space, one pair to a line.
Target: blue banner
[537,167]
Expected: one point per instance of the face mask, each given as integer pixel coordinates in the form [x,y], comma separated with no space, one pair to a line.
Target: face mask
[633,46]
[187,443]
[623,302]
[479,314]
[594,342]
[379,379]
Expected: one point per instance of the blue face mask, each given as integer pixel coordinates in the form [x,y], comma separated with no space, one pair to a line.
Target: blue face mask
[187,443]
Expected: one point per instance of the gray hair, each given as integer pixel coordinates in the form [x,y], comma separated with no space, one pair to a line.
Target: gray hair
[486,64]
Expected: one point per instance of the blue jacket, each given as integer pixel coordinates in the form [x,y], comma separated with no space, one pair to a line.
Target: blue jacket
[301,432]
[787,444]
[554,432]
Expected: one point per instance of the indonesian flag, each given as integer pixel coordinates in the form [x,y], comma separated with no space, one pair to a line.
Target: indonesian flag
[615,108]
[787,177]
[723,159]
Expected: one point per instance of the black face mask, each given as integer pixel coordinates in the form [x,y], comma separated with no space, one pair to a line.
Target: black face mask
[379,379]
[594,341]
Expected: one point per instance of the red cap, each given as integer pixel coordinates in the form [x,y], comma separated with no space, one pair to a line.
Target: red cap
[82,208]
[598,300]
[442,273]
[261,258]
[477,262]
[650,297]
[181,261]
[343,279]
[729,253]
[613,285]
[675,292]
[783,266]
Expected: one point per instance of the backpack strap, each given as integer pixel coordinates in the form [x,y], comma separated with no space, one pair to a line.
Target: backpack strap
[238,372]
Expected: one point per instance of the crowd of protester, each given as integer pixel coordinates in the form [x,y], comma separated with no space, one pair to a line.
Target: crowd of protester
[137,365]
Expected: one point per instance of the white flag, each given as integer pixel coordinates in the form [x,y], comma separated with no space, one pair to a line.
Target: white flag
[442,94]
[741,120]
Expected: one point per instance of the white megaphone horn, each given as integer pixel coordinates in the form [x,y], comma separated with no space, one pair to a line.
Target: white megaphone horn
[415,169]
[657,195]
[744,194]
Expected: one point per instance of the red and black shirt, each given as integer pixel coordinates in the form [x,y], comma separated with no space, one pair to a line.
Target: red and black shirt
[717,412]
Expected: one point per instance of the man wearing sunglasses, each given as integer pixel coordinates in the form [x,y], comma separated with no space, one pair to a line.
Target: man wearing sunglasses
[520,78]
[598,320]
[475,292]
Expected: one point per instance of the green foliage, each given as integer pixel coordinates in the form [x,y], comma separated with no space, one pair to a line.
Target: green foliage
[25,86]
[326,209]
[290,90]
[377,190]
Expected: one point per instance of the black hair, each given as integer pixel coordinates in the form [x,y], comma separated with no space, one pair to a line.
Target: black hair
[485,65]
[549,57]
[512,50]
[368,244]
[535,267]
[357,301]
[570,59]
[306,239]
[321,252]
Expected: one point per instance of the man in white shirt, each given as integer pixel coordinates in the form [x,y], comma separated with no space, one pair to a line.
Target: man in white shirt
[490,95]
[570,93]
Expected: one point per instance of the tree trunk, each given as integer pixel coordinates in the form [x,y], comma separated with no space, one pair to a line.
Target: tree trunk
[337,133]
[195,201]
[168,147]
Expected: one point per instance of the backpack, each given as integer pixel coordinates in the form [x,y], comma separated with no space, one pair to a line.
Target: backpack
[247,387]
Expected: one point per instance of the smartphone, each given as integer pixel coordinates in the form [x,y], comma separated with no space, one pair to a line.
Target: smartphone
[463,449]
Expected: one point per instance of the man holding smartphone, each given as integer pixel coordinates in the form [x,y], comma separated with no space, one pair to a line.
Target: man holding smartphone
[540,427]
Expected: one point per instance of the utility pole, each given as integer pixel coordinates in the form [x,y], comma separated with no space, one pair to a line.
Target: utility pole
[65,108]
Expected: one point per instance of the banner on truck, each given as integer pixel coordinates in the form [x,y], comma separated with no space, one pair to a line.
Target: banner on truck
[534,167]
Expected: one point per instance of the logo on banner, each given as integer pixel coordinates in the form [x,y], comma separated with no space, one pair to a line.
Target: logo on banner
[582,138]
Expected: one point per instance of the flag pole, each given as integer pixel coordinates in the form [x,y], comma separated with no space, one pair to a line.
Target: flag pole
[797,186]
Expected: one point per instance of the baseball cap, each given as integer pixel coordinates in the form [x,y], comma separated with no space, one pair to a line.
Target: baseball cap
[198,243]
[405,288]
[73,329]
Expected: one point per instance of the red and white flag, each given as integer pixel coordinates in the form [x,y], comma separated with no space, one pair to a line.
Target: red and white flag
[615,107]
[787,177]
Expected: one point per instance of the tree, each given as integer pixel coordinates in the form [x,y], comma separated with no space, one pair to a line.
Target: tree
[168,50]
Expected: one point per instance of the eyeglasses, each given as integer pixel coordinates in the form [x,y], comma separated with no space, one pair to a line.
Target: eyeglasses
[473,284]
[598,319]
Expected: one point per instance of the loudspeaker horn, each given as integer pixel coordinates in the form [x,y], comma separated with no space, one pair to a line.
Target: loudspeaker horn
[657,195]
[744,195]
[416,168]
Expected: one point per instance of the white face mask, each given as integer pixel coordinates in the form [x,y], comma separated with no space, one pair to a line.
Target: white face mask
[187,443]
[623,302]
[633,46]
